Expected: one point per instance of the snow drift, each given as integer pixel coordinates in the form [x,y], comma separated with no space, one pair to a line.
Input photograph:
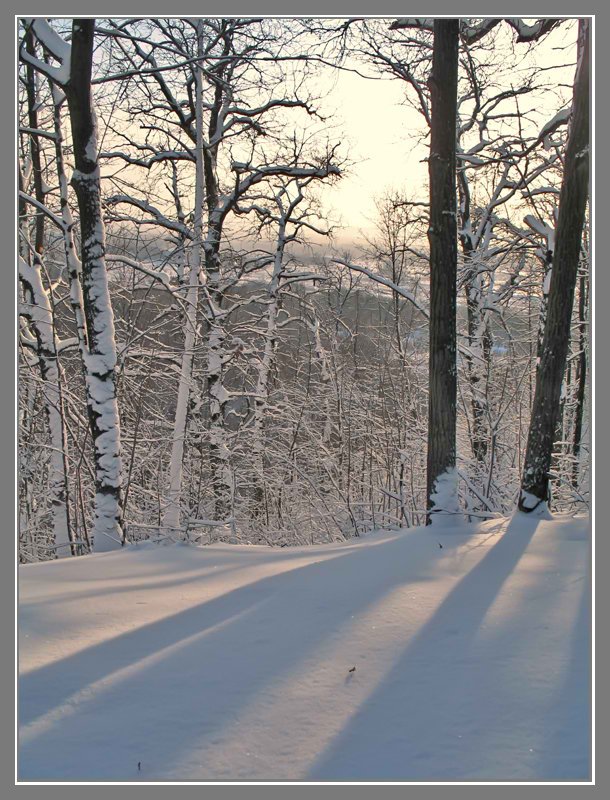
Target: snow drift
[461,654]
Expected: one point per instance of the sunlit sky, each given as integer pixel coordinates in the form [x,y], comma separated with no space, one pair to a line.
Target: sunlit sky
[377,131]
[379,128]
[376,122]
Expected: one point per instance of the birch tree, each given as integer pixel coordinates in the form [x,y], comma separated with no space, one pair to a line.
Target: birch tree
[73,76]
[37,308]
[172,514]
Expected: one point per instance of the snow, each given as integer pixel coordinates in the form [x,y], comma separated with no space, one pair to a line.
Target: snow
[444,498]
[53,42]
[473,160]
[237,662]
[561,118]
[542,229]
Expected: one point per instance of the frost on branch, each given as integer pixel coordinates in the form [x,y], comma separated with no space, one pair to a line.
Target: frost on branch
[542,229]
[561,118]
[55,45]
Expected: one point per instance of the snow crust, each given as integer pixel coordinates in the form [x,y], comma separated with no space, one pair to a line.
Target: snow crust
[91,146]
[237,663]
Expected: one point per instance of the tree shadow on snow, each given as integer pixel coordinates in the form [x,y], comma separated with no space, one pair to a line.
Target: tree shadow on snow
[566,755]
[211,678]
[424,706]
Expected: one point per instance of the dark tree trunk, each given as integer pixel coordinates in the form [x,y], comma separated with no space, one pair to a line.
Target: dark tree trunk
[35,144]
[101,358]
[572,209]
[442,235]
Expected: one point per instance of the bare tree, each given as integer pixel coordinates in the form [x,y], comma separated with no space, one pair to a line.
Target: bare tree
[442,236]
[37,308]
[233,106]
[74,77]
[568,236]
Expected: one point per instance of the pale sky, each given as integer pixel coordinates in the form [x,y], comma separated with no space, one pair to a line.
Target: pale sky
[377,127]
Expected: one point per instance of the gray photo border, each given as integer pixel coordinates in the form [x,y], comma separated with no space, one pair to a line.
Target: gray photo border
[8,386]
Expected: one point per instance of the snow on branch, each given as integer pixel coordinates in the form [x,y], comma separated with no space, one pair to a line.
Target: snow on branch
[41,207]
[55,45]
[303,276]
[561,118]
[542,229]
[256,175]
[531,33]
[157,217]
[38,132]
[385,282]
[420,23]
[39,311]
[542,190]
[161,156]
[472,33]
[473,161]
[255,112]
[469,33]
[137,265]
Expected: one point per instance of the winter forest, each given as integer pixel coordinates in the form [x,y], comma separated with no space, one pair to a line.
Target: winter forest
[210,352]
[304,399]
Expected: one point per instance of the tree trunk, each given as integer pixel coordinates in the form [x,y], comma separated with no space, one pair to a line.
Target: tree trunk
[171,518]
[477,365]
[100,362]
[40,315]
[261,397]
[581,379]
[572,209]
[217,336]
[442,235]
[41,318]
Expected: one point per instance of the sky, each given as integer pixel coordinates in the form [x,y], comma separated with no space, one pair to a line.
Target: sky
[377,122]
[376,127]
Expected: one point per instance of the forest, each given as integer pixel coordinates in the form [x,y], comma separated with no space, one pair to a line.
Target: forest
[203,358]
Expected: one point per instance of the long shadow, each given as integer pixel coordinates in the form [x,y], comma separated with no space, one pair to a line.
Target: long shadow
[423,706]
[54,682]
[171,623]
[566,756]
[159,567]
[212,678]
[203,574]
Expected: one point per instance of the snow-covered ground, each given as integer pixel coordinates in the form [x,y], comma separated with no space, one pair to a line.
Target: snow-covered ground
[386,657]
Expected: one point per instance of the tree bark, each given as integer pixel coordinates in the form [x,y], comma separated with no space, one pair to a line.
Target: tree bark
[42,322]
[108,530]
[442,236]
[572,209]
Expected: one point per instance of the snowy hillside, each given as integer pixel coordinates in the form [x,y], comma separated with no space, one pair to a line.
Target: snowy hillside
[461,655]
